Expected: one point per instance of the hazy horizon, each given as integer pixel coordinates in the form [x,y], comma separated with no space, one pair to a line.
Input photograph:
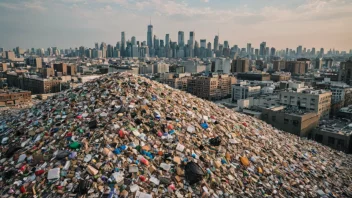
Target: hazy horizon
[73,23]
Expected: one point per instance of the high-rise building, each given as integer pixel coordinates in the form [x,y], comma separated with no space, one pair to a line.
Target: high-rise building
[103,45]
[133,40]
[322,52]
[272,51]
[181,39]
[156,42]
[203,43]
[196,49]
[313,51]
[118,46]
[209,53]
[249,46]
[262,49]
[191,43]
[192,38]
[167,40]
[267,51]
[150,36]
[216,43]
[240,65]
[207,87]
[226,44]
[299,50]
[10,55]
[96,46]
[123,43]
[110,51]
[256,52]
[82,51]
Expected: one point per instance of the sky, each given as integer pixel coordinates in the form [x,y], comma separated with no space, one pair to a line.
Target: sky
[74,23]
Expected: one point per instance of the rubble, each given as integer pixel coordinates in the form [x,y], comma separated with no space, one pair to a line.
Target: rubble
[126,136]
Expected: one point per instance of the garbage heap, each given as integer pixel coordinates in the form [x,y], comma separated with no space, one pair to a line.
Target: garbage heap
[127,136]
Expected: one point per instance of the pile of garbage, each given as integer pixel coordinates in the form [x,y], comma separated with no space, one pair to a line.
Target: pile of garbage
[123,135]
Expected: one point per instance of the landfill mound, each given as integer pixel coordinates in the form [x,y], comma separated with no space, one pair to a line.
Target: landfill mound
[127,136]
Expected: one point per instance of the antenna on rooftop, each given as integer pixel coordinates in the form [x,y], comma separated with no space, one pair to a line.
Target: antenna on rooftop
[150,20]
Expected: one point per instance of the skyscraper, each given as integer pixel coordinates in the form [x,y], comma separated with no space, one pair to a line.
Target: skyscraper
[216,43]
[209,54]
[150,36]
[156,42]
[249,48]
[96,46]
[299,50]
[191,43]
[133,40]
[322,52]
[192,38]
[167,40]
[203,50]
[123,44]
[226,44]
[272,51]
[203,43]
[313,51]
[262,49]
[181,39]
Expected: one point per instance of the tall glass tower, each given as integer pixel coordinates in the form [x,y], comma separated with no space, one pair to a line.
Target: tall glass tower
[150,36]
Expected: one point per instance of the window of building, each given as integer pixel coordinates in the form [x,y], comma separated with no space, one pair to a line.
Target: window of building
[340,144]
[286,121]
[331,141]
[273,118]
[295,122]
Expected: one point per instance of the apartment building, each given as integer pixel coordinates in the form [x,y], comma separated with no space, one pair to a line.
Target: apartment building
[243,90]
[336,133]
[212,87]
[297,122]
[34,84]
[259,76]
[14,97]
[318,101]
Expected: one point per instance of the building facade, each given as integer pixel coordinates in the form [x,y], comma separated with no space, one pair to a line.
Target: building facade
[313,100]
[212,87]
[243,91]
[14,97]
[297,123]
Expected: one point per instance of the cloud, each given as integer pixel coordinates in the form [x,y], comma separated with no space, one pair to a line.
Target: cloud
[10,6]
[107,7]
[205,1]
[73,1]
[33,5]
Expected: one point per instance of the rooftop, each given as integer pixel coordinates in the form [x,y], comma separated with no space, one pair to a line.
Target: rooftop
[292,110]
[309,91]
[340,126]
[346,109]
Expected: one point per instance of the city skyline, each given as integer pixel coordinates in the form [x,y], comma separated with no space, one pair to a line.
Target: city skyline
[72,23]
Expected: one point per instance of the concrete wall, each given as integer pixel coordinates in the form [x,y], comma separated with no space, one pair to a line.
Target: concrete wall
[298,125]
[337,138]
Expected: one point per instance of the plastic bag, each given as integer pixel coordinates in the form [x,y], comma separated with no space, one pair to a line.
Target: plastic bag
[215,141]
[62,154]
[11,151]
[193,173]
[83,187]
[93,124]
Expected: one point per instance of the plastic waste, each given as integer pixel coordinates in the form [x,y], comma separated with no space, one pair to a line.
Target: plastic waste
[193,173]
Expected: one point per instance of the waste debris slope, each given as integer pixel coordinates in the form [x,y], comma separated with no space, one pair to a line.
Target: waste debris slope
[123,135]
